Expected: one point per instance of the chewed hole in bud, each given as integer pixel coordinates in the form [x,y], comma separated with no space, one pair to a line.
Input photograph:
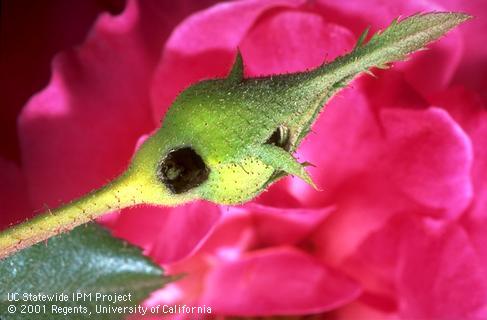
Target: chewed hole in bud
[182,170]
[280,138]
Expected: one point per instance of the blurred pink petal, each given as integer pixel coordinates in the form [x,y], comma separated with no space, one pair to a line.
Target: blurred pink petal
[467,108]
[14,201]
[358,310]
[477,235]
[167,234]
[44,28]
[405,152]
[440,275]
[375,263]
[400,170]
[304,41]
[428,157]
[191,56]
[363,205]
[183,229]
[256,226]
[341,144]
[277,226]
[278,281]
[138,225]
[427,267]
[391,90]
[74,134]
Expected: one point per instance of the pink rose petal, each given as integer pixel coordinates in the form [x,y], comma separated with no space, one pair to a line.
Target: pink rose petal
[43,28]
[429,267]
[281,281]
[389,89]
[14,201]
[278,195]
[81,130]
[363,205]
[375,263]
[342,141]
[467,108]
[440,275]
[424,155]
[279,226]
[255,226]
[476,229]
[375,260]
[380,175]
[429,157]
[138,225]
[305,40]
[204,47]
[358,310]
[182,230]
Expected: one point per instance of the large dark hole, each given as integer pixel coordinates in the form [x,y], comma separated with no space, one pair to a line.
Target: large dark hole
[280,138]
[183,169]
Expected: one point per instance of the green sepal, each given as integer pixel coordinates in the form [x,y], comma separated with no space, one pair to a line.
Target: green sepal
[361,39]
[237,72]
[281,160]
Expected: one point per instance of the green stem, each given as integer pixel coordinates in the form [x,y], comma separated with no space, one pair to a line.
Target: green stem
[114,196]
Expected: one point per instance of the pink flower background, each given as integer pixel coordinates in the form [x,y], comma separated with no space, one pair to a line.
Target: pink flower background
[400,228]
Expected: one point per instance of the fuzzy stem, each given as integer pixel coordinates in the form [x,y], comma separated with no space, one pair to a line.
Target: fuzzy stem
[116,195]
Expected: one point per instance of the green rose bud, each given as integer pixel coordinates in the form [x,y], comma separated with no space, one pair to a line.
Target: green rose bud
[227,140]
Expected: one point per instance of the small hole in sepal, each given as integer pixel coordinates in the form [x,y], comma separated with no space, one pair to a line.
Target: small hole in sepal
[280,138]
